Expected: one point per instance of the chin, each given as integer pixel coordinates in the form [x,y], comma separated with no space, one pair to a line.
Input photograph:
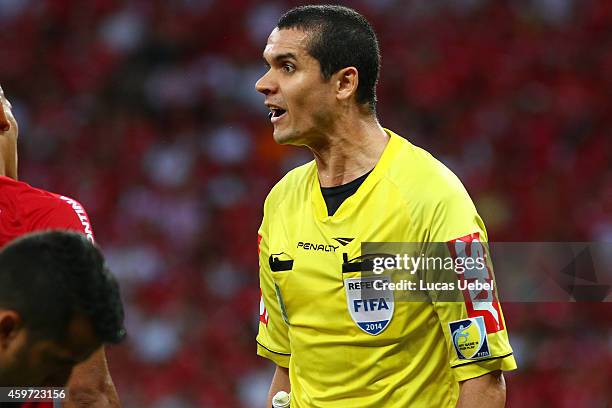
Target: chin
[282,137]
[289,137]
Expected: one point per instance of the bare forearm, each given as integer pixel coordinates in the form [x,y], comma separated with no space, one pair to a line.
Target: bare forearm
[280,382]
[91,385]
[487,391]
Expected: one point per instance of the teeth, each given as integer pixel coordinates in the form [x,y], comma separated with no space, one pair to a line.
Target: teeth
[275,112]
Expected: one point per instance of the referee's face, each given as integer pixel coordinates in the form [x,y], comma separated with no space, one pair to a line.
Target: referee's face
[301,101]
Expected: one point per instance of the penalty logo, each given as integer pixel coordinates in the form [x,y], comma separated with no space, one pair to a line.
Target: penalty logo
[470,338]
[370,309]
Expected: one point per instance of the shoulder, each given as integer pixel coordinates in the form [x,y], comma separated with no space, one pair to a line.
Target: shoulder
[68,213]
[27,209]
[438,205]
[25,198]
[422,179]
[37,209]
[295,183]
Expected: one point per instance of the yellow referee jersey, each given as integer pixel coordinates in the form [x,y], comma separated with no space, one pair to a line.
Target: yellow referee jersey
[406,354]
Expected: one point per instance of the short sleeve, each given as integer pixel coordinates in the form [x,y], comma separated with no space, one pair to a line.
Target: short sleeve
[473,323]
[272,336]
[67,214]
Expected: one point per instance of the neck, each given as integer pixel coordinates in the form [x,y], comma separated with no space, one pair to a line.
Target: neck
[8,158]
[3,167]
[349,150]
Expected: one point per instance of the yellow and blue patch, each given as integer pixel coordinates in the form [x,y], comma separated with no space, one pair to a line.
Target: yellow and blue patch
[469,337]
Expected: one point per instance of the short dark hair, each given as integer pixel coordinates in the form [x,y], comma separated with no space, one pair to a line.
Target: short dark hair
[50,278]
[339,37]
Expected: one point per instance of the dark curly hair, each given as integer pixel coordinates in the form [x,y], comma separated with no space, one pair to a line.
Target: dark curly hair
[50,278]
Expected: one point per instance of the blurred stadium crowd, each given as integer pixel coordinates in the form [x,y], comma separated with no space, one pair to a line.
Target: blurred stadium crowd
[146,112]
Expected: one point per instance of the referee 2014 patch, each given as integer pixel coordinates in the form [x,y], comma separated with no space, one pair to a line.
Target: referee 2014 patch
[469,337]
[370,308]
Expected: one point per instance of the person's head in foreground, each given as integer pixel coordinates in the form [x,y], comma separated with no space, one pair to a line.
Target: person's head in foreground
[58,304]
[323,69]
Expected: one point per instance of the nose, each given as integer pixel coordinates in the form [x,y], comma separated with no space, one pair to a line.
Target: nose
[265,84]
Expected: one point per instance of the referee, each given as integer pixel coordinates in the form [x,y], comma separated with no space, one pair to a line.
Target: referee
[365,184]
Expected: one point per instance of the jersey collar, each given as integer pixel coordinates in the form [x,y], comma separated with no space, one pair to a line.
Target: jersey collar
[350,204]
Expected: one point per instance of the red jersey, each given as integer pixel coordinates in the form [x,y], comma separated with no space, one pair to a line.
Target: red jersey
[25,209]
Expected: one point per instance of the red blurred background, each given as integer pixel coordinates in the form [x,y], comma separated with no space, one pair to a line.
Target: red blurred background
[146,112]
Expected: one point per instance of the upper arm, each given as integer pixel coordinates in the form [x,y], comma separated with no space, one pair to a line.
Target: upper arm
[272,336]
[471,320]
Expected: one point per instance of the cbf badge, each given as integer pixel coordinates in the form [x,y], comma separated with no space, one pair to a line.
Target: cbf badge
[370,308]
[470,338]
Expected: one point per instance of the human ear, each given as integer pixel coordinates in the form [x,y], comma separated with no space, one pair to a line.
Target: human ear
[10,323]
[347,80]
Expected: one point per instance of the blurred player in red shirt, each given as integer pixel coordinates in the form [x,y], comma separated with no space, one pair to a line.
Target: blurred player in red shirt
[25,209]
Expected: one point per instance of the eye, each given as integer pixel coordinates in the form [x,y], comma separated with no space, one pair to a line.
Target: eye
[288,67]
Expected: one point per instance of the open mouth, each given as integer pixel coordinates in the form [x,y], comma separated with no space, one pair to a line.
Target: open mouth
[276,114]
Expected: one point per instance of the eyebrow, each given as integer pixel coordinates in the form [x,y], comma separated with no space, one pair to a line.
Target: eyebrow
[287,55]
[283,56]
